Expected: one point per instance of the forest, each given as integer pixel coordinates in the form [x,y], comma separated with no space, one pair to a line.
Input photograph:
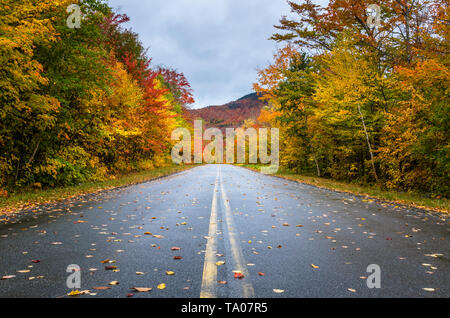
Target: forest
[80,103]
[363,100]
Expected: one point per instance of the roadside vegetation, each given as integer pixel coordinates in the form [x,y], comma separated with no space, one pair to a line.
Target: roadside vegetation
[29,197]
[414,199]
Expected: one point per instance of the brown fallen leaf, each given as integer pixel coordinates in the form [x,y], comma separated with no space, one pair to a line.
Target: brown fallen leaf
[222,282]
[114,282]
[108,268]
[177,257]
[175,248]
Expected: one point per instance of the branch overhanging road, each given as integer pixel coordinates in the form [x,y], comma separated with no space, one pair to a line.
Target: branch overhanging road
[239,234]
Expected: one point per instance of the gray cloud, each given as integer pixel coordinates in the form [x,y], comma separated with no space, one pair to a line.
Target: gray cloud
[217,44]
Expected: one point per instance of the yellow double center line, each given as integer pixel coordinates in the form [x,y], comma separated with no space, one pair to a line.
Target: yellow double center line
[209,281]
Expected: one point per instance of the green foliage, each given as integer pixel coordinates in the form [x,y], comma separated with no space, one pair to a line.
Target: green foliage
[78,104]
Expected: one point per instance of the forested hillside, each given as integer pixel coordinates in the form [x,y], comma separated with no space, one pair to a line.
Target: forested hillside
[232,114]
[83,103]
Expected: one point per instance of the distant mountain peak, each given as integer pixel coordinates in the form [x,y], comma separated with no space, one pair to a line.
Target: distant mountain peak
[232,114]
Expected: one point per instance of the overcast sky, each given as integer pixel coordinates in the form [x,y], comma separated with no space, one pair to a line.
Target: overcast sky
[217,44]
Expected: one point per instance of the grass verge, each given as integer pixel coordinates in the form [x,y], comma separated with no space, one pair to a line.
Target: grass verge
[27,198]
[406,198]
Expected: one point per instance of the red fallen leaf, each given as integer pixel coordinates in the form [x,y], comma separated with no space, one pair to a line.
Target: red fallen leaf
[388,238]
[261,274]
[35,261]
[238,275]
[130,295]
[176,248]
[177,257]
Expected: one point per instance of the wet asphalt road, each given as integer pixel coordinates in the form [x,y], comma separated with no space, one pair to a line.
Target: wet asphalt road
[224,219]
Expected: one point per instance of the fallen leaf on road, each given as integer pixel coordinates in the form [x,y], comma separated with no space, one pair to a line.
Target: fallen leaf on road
[222,282]
[8,277]
[170,273]
[175,248]
[101,288]
[351,290]
[114,282]
[108,268]
[74,293]
[278,291]
[429,289]
[142,289]
[161,286]
[238,275]
[220,263]
[314,266]
[261,274]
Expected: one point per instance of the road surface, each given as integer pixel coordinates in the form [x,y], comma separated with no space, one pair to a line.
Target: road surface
[196,230]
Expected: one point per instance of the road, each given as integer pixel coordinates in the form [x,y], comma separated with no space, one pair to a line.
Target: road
[285,238]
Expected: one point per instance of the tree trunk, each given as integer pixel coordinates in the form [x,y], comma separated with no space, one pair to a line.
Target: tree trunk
[368,143]
[34,152]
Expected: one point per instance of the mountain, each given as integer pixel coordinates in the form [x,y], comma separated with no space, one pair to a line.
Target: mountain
[230,115]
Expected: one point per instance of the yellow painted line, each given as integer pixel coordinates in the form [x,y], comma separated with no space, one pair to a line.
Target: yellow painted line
[209,279]
[236,251]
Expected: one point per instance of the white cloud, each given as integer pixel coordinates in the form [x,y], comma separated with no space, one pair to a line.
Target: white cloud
[217,44]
